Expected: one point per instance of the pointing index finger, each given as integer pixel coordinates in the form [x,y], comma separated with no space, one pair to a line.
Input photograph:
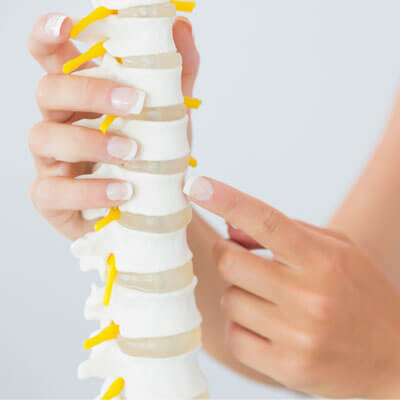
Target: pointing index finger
[269,227]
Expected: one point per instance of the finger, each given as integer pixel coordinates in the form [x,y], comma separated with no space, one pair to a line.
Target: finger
[49,42]
[184,40]
[272,229]
[325,231]
[241,238]
[74,144]
[57,93]
[59,193]
[267,279]
[255,314]
[253,350]
[249,243]
[48,167]
[70,223]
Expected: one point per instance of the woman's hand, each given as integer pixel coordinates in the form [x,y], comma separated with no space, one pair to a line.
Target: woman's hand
[320,317]
[63,151]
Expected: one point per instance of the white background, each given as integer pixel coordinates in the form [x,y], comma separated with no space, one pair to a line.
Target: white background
[296,94]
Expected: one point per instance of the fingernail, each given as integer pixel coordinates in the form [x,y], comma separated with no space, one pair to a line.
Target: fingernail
[128,100]
[119,191]
[187,23]
[122,148]
[199,188]
[54,24]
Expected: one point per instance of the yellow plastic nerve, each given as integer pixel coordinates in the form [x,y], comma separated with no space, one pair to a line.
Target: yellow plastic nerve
[192,162]
[191,102]
[96,51]
[96,15]
[109,333]
[115,389]
[108,121]
[111,276]
[113,215]
[184,6]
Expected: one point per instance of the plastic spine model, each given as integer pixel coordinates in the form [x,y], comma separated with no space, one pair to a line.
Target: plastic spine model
[150,328]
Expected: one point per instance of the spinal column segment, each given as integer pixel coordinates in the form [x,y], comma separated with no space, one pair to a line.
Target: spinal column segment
[150,327]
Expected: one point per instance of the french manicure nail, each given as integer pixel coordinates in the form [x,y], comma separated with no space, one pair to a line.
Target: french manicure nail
[199,188]
[128,100]
[54,24]
[119,191]
[122,148]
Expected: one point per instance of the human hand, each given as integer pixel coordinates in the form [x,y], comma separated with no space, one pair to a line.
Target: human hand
[319,317]
[63,151]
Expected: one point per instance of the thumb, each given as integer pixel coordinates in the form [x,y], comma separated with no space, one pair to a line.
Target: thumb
[184,41]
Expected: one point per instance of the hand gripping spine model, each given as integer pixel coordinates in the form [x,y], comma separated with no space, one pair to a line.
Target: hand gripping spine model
[150,328]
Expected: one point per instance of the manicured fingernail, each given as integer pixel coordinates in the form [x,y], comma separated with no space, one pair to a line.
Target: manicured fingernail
[119,191]
[122,148]
[54,24]
[199,188]
[128,100]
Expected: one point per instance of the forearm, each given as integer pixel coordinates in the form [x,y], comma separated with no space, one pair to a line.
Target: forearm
[370,215]
[209,293]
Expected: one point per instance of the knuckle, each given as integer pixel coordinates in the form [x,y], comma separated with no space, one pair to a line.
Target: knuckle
[41,88]
[312,343]
[226,262]
[34,141]
[222,253]
[236,343]
[272,221]
[36,192]
[334,262]
[301,372]
[319,306]
[32,192]
[88,91]
[231,205]
[41,192]
[84,192]
[217,248]
[230,299]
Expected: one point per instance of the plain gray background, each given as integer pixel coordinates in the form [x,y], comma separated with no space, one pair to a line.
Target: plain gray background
[296,94]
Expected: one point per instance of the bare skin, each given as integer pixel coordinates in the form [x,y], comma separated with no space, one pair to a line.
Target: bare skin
[322,317]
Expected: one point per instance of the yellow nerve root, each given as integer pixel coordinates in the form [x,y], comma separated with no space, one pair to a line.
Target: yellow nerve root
[109,333]
[192,162]
[115,389]
[111,276]
[108,120]
[191,102]
[96,15]
[96,51]
[184,6]
[113,215]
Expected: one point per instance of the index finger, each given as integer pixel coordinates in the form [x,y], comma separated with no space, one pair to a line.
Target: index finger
[269,227]
[49,42]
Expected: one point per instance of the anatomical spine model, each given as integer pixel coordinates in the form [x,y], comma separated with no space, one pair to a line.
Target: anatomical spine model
[150,328]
